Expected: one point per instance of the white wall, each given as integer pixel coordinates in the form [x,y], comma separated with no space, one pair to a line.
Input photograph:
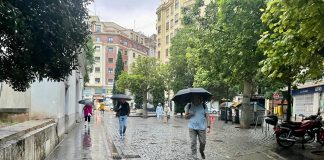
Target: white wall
[48,99]
[11,99]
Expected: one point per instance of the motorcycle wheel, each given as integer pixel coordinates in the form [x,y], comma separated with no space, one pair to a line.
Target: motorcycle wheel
[320,137]
[284,143]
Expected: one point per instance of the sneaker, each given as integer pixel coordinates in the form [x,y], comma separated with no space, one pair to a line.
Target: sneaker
[203,156]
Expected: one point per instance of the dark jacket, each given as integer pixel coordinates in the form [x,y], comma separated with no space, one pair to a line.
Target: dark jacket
[122,109]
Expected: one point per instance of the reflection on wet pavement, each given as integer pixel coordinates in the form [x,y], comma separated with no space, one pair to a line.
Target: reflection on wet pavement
[84,142]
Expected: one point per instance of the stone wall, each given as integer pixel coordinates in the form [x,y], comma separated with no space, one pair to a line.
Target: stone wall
[32,140]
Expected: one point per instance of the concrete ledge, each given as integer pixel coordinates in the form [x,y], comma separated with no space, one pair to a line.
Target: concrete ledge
[13,110]
[31,140]
[15,131]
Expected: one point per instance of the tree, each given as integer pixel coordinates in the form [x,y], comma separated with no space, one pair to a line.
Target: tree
[40,39]
[142,79]
[181,72]
[89,59]
[118,70]
[293,42]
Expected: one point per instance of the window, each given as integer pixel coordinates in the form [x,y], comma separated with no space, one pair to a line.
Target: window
[158,54]
[125,63]
[110,81]
[97,80]
[159,42]
[167,12]
[110,70]
[167,39]
[159,16]
[125,43]
[110,49]
[110,39]
[97,39]
[97,59]
[171,35]
[98,28]
[134,55]
[171,23]
[176,18]
[110,60]
[167,52]
[97,48]
[167,26]
[159,29]
[176,5]
[97,69]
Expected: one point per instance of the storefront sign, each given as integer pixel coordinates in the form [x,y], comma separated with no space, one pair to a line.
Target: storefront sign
[310,90]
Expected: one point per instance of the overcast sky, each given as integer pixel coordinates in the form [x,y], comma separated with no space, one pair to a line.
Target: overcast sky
[126,12]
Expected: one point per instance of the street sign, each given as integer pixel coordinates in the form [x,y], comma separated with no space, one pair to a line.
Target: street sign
[276,96]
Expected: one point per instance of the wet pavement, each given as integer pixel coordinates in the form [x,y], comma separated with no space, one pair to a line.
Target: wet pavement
[150,139]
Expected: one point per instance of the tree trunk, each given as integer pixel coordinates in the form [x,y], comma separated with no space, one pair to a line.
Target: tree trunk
[289,102]
[145,105]
[246,110]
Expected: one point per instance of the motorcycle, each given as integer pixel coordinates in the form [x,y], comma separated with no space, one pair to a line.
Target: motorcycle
[304,132]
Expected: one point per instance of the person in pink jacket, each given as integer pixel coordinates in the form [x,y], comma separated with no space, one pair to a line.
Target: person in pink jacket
[87,112]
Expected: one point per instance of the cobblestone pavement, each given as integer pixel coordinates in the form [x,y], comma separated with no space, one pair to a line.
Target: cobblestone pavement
[150,139]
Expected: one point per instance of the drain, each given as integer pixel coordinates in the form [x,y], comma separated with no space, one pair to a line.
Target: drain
[217,140]
[177,126]
[132,156]
[319,153]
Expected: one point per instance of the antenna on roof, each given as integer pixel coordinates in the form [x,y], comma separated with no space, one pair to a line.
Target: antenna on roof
[134,26]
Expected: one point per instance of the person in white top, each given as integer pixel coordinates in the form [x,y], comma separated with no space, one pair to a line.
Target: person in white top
[159,111]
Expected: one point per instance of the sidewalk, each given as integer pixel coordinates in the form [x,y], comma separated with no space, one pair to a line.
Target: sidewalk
[84,142]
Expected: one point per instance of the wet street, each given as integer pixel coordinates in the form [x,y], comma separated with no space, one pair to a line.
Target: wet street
[152,139]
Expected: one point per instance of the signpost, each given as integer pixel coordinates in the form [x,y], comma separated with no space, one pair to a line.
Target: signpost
[276,96]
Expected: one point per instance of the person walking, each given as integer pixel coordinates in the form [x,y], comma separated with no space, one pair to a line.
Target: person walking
[166,113]
[122,113]
[102,108]
[198,124]
[159,111]
[87,112]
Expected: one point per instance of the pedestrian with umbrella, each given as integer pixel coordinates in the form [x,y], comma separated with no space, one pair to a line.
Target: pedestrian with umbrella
[197,113]
[122,110]
[87,112]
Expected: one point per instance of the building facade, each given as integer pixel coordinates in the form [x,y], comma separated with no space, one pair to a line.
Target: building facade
[110,38]
[308,99]
[168,23]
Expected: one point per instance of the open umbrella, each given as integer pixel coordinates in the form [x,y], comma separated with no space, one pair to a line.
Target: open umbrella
[184,95]
[121,96]
[84,101]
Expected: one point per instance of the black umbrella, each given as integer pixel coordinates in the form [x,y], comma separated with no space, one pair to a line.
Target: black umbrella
[184,95]
[84,101]
[121,96]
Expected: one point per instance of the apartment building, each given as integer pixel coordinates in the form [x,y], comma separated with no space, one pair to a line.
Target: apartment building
[168,22]
[110,38]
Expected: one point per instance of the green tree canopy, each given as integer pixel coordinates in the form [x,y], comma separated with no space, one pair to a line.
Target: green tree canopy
[118,70]
[293,41]
[40,39]
[144,77]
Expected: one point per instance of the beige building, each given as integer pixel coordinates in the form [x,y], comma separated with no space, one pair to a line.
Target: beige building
[110,38]
[168,22]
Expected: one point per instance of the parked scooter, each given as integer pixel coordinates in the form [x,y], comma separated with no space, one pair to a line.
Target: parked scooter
[303,132]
